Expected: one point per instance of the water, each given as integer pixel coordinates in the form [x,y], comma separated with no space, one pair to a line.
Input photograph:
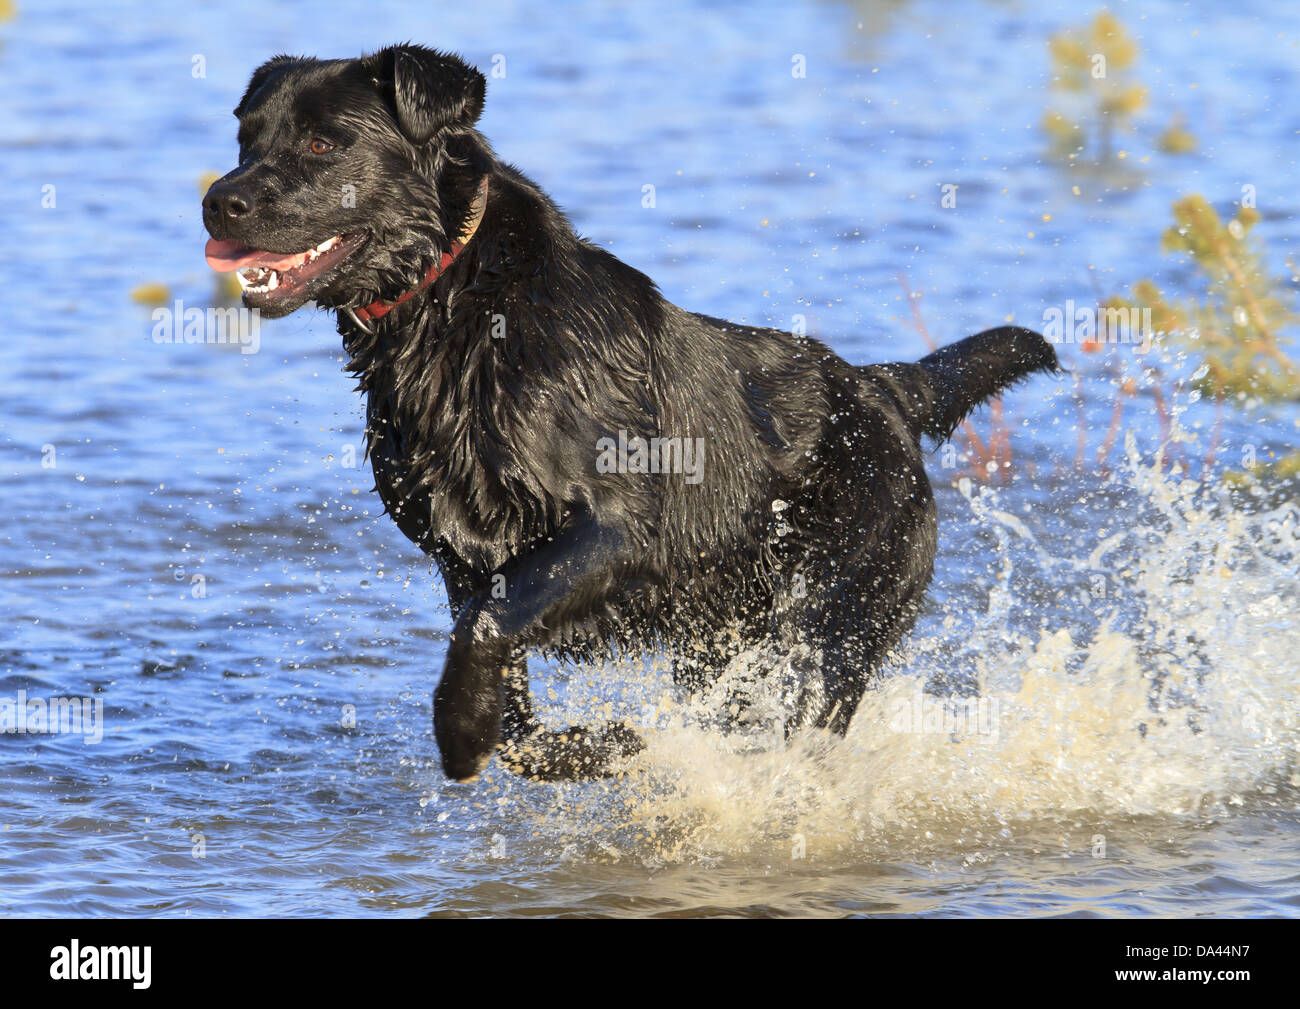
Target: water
[206,557]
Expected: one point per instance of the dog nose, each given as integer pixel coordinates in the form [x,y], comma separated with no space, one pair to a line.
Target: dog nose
[226,201]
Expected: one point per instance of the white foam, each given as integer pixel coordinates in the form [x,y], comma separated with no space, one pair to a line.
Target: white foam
[1172,692]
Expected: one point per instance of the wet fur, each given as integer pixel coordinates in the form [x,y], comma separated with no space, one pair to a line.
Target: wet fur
[814,524]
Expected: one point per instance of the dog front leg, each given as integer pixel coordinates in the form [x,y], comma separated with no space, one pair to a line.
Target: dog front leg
[467,705]
[484,679]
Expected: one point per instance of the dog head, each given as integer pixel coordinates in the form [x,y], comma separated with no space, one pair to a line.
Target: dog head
[352,174]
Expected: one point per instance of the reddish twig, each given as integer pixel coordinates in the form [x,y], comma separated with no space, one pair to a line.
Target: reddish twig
[1116,415]
[1081,421]
[1215,435]
[1000,440]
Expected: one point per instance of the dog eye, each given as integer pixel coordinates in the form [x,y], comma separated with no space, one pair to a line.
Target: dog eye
[319,146]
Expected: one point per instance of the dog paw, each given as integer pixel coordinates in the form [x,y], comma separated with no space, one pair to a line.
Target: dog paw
[576,754]
[620,741]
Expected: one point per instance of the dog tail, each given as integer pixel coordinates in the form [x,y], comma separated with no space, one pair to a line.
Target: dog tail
[937,392]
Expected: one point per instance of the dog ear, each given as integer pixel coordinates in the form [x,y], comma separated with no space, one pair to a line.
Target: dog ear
[431,90]
[263,74]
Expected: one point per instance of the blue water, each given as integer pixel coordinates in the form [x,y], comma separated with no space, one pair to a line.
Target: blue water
[202,552]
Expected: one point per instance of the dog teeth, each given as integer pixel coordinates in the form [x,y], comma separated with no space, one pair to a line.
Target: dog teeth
[257,280]
[324,247]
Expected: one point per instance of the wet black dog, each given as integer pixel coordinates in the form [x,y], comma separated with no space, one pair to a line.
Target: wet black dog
[594,469]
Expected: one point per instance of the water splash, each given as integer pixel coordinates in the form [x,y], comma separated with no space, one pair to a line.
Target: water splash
[1143,667]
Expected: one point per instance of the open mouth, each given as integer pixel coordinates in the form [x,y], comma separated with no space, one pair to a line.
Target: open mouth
[267,277]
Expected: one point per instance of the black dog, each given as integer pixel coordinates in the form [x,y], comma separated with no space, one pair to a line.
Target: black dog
[594,469]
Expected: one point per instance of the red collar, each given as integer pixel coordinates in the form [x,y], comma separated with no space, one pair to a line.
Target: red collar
[378,309]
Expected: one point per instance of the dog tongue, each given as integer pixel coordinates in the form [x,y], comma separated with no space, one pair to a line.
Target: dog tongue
[225,257]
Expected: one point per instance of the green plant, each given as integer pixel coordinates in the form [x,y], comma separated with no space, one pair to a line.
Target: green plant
[1095,73]
[1237,329]
[1095,65]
